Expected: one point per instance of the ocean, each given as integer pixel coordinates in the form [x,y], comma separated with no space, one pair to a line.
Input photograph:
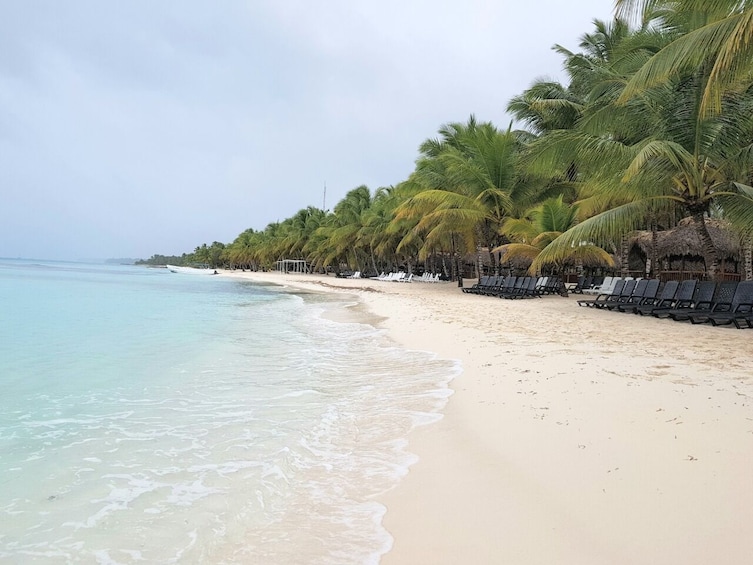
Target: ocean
[157,417]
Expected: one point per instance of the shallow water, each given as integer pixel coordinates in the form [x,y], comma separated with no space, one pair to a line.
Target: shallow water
[156,417]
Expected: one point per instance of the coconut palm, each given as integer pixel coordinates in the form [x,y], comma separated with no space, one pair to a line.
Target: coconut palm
[296,231]
[546,106]
[468,184]
[240,253]
[542,225]
[336,239]
[671,154]
[380,234]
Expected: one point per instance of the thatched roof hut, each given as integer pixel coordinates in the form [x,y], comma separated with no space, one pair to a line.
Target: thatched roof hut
[680,248]
[683,240]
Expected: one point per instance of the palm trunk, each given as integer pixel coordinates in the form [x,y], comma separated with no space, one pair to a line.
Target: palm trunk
[456,262]
[707,245]
[655,267]
[748,251]
[453,263]
[624,251]
[479,262]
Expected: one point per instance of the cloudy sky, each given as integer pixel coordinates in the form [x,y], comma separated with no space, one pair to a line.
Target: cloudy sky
[142,127]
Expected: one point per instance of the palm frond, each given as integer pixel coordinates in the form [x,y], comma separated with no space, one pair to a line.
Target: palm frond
[738,208]
[658,157]
[514,251]
[687,52]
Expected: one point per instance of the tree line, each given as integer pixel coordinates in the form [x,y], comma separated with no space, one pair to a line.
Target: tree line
[654,124]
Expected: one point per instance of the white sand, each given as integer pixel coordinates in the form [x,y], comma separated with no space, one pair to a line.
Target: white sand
[574,436]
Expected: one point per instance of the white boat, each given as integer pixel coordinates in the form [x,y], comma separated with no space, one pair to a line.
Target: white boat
[190,270]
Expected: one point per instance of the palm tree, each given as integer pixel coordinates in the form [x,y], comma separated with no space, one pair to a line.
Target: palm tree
[539,227]
[298,229]
[546,106]
[379,233]
[657,151]
[240,252]
[467,184]
[337,237]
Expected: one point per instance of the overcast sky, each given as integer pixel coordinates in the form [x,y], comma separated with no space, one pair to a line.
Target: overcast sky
[142,127]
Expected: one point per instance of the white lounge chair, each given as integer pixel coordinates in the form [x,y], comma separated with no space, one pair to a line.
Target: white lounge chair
[598,289]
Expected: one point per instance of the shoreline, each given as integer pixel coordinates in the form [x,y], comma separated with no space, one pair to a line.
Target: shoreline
[572,436]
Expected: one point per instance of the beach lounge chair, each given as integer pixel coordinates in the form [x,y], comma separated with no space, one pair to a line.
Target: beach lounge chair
[645,289]
[578,286]
[605,287]
[744,321]
[742,312]
[494,285]
[703,302]
[515,289]
[723,293]
[395,277]
[540,285]
[613,295]
[665,300]
[553,286]
[625,294]
[702,299]
[683,299]
[428,277]
[527,289]
[482,282]
[505,285]
[486,282]
[595,282]
[724,311]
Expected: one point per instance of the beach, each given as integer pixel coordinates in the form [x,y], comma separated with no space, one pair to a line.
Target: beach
[574,436]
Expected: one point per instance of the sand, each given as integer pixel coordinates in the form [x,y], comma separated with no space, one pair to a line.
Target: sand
[574,436]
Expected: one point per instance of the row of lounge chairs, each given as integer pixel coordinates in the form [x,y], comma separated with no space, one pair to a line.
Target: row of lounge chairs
[723,303]
[427,277]
[515,287]
[400,276]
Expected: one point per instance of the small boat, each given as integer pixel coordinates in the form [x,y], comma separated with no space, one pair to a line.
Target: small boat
[190,270]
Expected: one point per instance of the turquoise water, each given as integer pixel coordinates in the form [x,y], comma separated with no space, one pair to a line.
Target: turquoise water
[153,417]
